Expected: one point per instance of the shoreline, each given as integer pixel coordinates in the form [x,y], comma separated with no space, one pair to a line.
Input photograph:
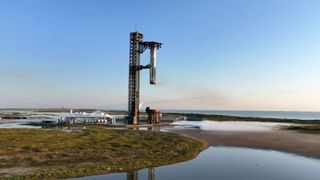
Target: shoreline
[54,154]
[303,144]
[21,113]
[214,117]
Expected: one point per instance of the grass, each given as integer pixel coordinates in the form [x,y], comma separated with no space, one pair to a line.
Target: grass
[57,154]
[12,115]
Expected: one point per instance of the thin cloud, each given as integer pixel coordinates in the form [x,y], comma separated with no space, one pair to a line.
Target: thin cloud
[192,98]
[17,74]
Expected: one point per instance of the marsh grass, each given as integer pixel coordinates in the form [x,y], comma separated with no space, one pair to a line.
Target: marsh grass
[311,129]
[60,154]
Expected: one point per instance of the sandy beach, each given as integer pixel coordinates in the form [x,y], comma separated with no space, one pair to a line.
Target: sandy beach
[273,138]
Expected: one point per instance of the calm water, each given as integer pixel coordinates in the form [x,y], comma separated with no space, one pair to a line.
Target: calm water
[229,163]
[18,123]
[267,114]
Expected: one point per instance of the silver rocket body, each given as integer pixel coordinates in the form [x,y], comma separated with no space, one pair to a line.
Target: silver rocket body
[153,64]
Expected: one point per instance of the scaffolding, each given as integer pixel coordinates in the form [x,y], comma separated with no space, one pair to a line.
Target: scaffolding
[137,47]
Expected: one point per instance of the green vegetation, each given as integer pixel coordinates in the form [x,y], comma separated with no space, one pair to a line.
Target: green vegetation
[311,129]
[48,154]
[12,115]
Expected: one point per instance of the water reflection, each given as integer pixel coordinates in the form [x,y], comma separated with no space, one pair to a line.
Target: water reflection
[229,163]
[134,175]
[151,174]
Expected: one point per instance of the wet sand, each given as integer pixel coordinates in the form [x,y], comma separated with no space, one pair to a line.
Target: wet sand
[280,140]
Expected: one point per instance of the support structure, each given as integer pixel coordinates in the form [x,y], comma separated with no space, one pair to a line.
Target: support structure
[134,77]
[137,47]
[153,116]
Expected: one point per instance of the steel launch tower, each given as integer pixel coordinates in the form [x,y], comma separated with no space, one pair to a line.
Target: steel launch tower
[137,47]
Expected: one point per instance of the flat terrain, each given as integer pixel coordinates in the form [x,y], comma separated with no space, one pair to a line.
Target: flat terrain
[282,140]
[47,154]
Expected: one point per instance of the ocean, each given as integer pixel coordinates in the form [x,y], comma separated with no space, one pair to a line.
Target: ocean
[303,115]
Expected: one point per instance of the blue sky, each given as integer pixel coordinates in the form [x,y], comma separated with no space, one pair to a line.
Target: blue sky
[233,55]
